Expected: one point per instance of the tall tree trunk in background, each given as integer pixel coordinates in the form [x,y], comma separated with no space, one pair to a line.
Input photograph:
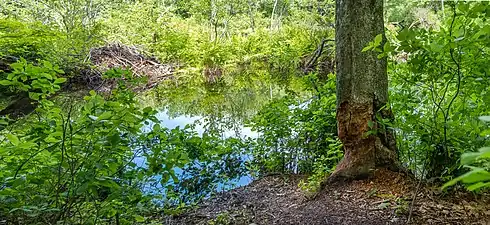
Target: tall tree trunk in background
[362,91]
[251,15]
[272,16]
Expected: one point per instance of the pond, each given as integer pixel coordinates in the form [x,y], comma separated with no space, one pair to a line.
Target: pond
[220,110]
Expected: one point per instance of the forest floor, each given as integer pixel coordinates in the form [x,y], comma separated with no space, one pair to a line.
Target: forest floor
[385,198]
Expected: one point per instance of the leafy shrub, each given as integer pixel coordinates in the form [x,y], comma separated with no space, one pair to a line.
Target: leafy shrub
[322,168]
[78,166]
[191,40]
[479,176]
[31,41]
[436,76]
[296,134]
[61,33]
[38,81]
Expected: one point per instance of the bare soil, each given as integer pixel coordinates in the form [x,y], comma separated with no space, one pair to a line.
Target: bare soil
[385,198]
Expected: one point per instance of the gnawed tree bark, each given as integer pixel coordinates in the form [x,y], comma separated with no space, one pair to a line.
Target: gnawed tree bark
[362,91]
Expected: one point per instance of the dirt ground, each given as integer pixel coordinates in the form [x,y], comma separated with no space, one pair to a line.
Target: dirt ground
[386,198]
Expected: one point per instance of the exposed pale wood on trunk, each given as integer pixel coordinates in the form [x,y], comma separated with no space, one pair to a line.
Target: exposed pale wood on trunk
[362,90]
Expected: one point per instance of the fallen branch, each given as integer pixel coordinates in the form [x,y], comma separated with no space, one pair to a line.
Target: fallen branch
[309,66]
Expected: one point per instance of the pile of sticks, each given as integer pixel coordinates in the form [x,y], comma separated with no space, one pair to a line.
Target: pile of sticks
[124,57]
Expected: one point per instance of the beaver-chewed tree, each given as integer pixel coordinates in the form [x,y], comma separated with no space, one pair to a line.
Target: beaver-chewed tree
[362,91]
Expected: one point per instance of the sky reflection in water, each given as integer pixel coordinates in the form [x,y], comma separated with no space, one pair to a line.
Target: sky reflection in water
[182,173]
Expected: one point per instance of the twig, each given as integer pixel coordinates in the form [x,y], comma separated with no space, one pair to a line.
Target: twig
[413,201]
[317,54]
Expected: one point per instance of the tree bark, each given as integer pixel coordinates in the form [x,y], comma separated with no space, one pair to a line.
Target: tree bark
[362,91]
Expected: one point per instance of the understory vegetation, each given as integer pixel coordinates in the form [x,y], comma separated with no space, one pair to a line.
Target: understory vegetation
[266,65]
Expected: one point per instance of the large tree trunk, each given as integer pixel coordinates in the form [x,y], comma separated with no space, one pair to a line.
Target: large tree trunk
[362,91]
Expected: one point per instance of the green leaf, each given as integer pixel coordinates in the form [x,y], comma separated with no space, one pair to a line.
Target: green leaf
[478,186]
[485,132]
[459,39]
[485,118]
[483,32]
[47,75]
[34,96]
[5,82]
[475,175]
[51,139]
[112,212]
[139,218]
[48,64]
[451,182]
[484,153]
[147,109]
[370,124]
[60,80]
[82,188]
[105,115]
[26,145]
[435,47]
[388,47]
[402,36]
[377,40]
[470,157]
[156,127]
[463,7]
[18,182]
[57,134]
[115,139]
[367,48]
[13,139]
[484,150]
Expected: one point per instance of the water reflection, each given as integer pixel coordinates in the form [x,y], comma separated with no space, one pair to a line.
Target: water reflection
[183,120]
[201,178]
[219,111]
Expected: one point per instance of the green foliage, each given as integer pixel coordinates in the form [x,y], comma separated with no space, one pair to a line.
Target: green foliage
[373,45]
[211,161]
[322,168]
[298,136]
[109,160]
[59,32]
[219,36]
[79,167]
[479,176]
[31,41]
[412,12]
[438,86]
[104,156]
[38,81]
[221,219]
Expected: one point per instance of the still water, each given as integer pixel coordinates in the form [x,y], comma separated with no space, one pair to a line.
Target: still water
[221,111]
[219,182]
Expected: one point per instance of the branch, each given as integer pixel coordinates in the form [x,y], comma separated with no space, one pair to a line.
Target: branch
[317,54]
